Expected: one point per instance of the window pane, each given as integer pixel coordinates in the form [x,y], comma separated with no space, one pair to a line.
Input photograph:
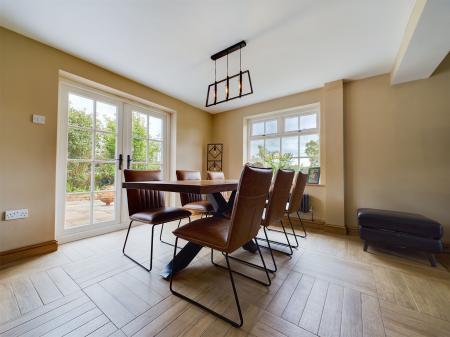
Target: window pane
[78,208]
[258,129]
[105,146]
[273,145]
[106,117]
[305,163]
[139,125]
[291,124]
[78,177]
[105,177]
[293,164]
[154,152]
[80,111]
[290,145]
[139,149]
[104,206]
[309,145]
[155,127]
[271,127]
[308,122]
[79,144]
[256,150]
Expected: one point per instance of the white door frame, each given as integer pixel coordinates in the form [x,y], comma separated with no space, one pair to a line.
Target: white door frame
[112,95]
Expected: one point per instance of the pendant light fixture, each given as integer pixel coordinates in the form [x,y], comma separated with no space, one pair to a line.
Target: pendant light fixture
[231,87]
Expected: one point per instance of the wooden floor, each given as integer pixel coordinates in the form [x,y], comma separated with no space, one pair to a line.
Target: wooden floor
[329,288]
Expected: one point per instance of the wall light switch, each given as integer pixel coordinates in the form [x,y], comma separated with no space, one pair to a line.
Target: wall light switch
[13,214]
[38,119]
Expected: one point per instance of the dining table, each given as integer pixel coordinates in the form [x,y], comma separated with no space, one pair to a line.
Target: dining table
[213,190]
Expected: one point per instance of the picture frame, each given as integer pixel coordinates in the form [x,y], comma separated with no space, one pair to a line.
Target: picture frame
[313,175]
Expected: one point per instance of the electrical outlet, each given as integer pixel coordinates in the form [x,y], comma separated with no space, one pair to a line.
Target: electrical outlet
[38,119]
[13,214]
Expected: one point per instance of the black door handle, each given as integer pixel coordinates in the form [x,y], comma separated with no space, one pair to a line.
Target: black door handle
[128,161]
[120,161]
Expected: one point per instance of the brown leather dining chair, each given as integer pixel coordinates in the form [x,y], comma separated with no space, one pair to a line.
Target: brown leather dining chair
[294,204]
[215,175]
[227,235]
[275,208]
[148,206]
[192,201]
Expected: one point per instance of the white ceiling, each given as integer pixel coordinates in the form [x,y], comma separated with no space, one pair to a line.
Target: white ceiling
[292,45]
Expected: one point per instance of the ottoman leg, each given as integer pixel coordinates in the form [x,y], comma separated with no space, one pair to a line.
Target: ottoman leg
[432,259]
[366,245]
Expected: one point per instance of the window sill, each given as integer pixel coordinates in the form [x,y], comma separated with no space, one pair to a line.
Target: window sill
[318,185]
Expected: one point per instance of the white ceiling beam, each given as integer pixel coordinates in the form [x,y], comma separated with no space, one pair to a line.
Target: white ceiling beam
[425,43]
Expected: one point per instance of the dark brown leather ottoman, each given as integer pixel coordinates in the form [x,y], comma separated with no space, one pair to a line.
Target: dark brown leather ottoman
[402,230]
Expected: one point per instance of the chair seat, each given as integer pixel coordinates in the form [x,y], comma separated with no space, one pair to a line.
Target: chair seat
[161,215]
[202,206]
[211,232]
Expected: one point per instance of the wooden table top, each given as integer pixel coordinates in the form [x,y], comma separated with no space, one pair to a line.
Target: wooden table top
[186,186]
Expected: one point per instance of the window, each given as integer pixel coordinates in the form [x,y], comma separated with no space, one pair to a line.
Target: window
[286,140]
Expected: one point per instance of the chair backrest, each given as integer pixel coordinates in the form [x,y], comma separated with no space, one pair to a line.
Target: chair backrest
[215,175]
[279,196]
[143,199]
[248,206]
[187,198]
[297,192]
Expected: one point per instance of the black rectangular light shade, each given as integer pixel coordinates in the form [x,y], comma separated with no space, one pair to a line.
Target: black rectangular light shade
[217,92]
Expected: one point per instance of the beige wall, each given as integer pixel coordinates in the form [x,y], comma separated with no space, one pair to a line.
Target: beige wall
[29,84]
[397,146]
[328,199]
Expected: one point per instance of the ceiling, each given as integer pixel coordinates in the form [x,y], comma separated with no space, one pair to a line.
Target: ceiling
[292,45]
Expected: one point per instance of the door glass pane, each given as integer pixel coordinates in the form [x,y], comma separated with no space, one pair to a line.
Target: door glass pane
[256,150]
[154,128]
[106,117]
[105,177]
[139,125]
[78,177]
[138,166]
[290,145]
[308,122]
[104,206]
[291,124]
[105,146]
[271,127]
[78,208]
[139,149]
[154,152]
[79,144]
[81,111]
[273,145]
[258,129]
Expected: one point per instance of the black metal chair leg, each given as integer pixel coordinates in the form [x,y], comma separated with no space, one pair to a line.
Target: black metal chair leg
[303,226]
[432,259]
[288,244]
[226,319]
[264,267]
[151,249]
[160,234]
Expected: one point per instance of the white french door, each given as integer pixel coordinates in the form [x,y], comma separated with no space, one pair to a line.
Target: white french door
[98,137]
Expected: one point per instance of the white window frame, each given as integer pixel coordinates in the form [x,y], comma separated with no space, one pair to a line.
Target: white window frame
[280,116]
